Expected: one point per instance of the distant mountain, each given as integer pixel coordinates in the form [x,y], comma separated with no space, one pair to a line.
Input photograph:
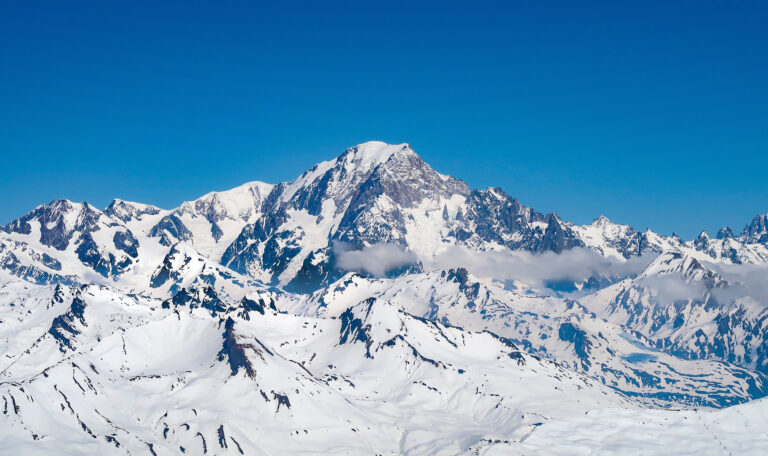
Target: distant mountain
[373,193]
[689,310]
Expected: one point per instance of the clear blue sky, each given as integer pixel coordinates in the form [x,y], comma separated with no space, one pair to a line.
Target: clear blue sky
[654,113]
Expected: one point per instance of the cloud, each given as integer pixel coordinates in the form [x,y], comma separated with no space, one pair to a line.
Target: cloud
[747,281]
[537,270]
[670,288]
[376,259]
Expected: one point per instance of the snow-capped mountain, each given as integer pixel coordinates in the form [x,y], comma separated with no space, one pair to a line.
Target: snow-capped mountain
[690,310]
[756,232]
[284,234]
[371,305]
[212,221]
[87,236]
[366,196]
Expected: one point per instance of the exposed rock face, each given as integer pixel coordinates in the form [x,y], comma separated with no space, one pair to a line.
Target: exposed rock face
[725,233]
[170,230]
[234,353]
[757,231]
[125,241]
[126,211]
[58,222]
[67,325]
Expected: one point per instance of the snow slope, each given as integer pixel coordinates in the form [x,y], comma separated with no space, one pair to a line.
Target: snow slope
[737,430]
[115,374]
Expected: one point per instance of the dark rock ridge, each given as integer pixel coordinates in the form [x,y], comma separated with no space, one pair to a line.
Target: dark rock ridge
[757,231]
[170,229]
[69,324]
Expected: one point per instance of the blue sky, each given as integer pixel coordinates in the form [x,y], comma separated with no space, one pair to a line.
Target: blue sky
[654,114]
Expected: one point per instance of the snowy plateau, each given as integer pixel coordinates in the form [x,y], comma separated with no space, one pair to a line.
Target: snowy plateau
[376,306]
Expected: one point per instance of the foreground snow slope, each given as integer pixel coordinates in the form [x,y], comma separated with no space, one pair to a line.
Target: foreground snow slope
[114,374]
[738,430]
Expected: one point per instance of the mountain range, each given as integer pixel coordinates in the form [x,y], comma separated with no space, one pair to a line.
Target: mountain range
[373,306]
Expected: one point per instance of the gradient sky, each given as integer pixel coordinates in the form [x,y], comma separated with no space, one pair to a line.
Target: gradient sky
[654,114]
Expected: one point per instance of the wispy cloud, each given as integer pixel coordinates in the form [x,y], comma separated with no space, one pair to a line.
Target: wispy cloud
[747,282]
[669,288]
[376,259]
[536,270]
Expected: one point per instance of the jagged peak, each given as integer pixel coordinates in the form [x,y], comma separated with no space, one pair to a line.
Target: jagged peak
[68,214]
[676,237]
[56,208]
[602,221]
[59,203]
[757,230]
[553,219]
[688,267]
[350,165]
[725,233]
[240,202]
[496,192]
[362,173]
[127,210]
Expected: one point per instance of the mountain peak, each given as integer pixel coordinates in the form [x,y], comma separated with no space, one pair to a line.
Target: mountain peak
[688,267]
[601,221]
[373,153]
[241,202]
[725,233]
[757,230]
[58,209]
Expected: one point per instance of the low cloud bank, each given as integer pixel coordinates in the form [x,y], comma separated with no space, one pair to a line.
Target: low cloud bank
[376,259]
[533,270]
[537,270]
[746,281]
[670,288]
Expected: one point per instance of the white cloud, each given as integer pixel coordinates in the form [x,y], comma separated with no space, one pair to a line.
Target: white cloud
[376,259]
[747,284]
[536,270]
[747,281]
[669,288]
